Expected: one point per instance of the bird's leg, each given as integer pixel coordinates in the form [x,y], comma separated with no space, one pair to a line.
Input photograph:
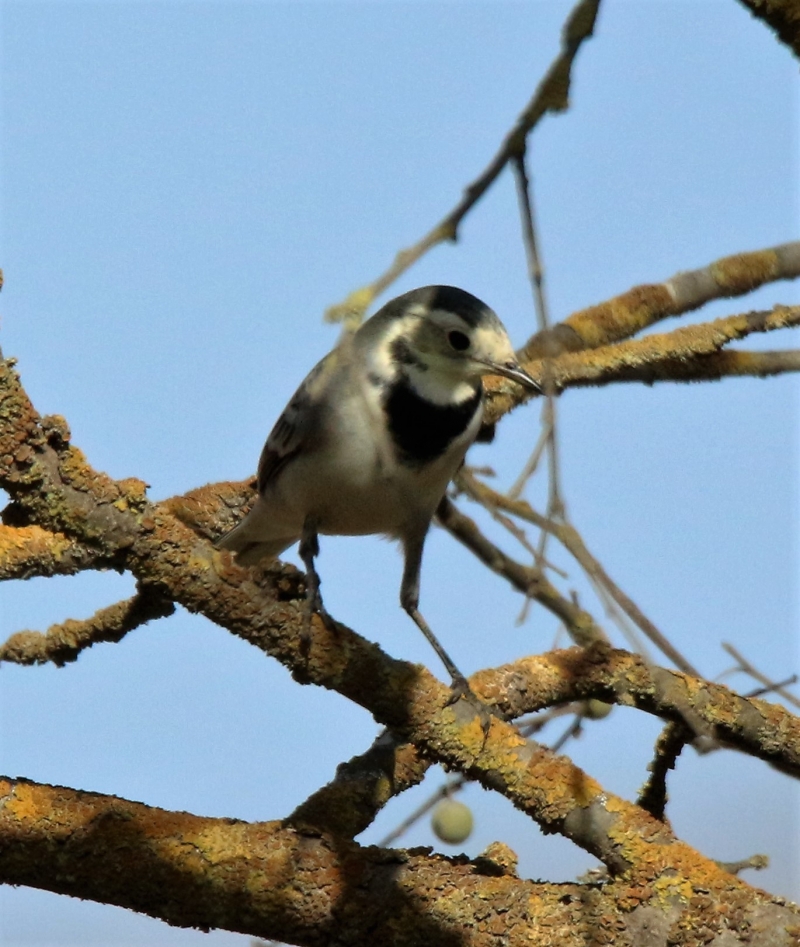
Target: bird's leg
[309,550]
[409,599]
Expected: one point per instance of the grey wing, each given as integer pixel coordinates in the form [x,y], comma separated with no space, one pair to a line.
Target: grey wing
[285,441]
[296,431]
[294,428]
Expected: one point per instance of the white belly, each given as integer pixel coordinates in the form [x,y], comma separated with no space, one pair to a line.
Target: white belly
[359,495]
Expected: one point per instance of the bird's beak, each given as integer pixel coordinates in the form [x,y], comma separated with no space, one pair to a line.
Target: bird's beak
[513,370]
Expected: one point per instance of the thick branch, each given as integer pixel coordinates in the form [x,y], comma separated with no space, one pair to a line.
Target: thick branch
[765,730]
[270,881]
[361,788]
[638,308]
[27,551]
[52,485]
[266,608]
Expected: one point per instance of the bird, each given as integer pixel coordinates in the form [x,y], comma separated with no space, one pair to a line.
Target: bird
[374,434]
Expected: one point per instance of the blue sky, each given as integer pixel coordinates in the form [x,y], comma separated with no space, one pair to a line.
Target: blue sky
[187,186]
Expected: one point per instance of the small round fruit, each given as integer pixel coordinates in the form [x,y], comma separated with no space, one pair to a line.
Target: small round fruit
[452,821]
[596,709]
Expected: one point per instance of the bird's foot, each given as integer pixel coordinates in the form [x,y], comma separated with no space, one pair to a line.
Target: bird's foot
[460,689]
[314,606]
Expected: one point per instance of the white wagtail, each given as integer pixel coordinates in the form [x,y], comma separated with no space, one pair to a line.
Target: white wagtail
[372,437]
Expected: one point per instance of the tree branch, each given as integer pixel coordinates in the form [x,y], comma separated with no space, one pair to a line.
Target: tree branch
[27,551]
[572,541]
[361,788]
[670,356]
[270,881]
[669,745]
[532,582]
[641,307]
[63,643]
[552,95]
[761,729]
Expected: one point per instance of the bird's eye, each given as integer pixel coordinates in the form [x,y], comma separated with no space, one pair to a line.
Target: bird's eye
[458,340]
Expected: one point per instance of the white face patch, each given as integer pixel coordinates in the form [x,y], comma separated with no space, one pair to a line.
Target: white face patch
[381,360]
[441,387]
[437,374]
[490,344]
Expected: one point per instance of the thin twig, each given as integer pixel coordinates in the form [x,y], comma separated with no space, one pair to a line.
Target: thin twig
[555,503]
[531,464]
[446,789]
[535,269]
[572,541]
[756,862]
[772,688]
[762,678]
[532,582]
[551,95]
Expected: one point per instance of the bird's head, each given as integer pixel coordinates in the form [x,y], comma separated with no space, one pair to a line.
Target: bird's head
[447,334]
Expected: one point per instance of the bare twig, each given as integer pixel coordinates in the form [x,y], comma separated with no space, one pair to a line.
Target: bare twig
[448,788]
[555,503]
[531,582]
[762,678]
[552,95]
[756,862]
[532,462]
[535,269]
[572,541]
[772,688]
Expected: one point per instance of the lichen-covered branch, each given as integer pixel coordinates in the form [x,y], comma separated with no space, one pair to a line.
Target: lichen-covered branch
[51,484]
[265,607]
[762,729]
[641,307]
[348,804]
[27,551]
[690,353]
[670,356]
[63,642]
[734,363]
[273,881]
